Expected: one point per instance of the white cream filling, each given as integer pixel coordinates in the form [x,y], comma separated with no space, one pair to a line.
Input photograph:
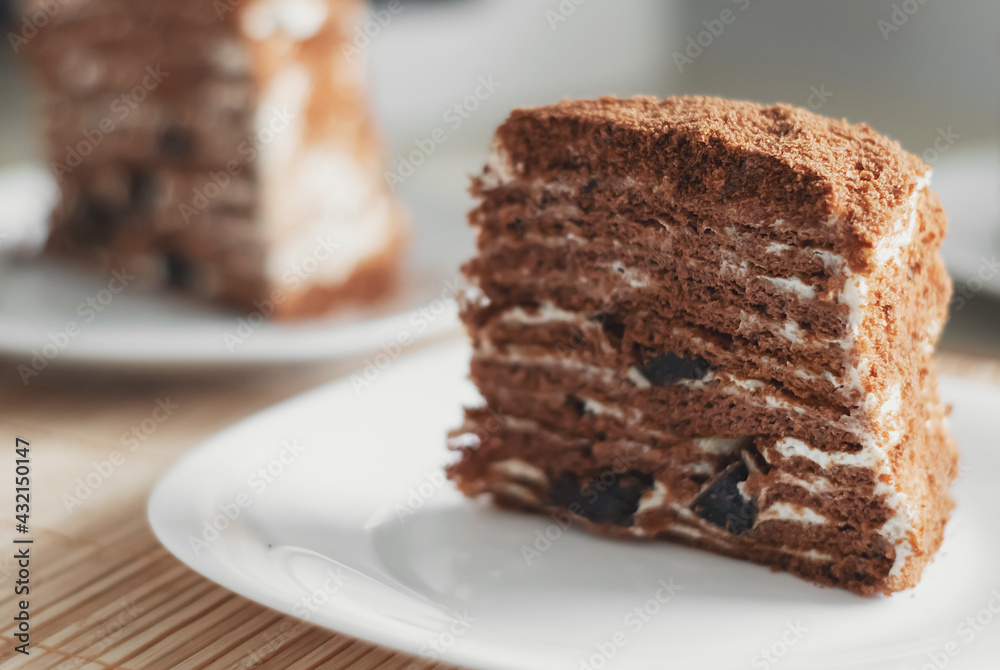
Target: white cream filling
[499,168]
[473,294]
[893,402]
[700,468]
[321,212]
[547,312]
[635,278]
[746,384]
[594,407]
[784,511]
[793,285]
[789,447]
[890,248]
[791,331]
[515,490]
[811,554]
[319,237]
[637,378]
[689,531]
[513,355]
[813,485]
[653,498]
[299,19]
[699,533]
[788,330]
[721,445]
[518,469]
[468,440]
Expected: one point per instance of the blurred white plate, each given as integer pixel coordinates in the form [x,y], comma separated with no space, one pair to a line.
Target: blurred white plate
[45,317]
[968,181]
[332,507]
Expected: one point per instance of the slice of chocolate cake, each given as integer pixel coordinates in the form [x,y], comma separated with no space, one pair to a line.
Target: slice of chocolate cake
[221,148]
[712,322]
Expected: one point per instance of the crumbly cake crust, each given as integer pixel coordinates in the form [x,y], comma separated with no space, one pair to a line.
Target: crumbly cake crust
[760,162]
[712,322]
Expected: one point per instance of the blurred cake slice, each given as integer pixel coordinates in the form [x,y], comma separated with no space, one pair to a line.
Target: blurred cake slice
[224,149]
[712,322]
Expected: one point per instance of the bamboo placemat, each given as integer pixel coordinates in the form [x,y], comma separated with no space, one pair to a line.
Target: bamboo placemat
[105,594]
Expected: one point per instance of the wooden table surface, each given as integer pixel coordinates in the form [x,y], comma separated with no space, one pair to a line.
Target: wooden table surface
[105,594]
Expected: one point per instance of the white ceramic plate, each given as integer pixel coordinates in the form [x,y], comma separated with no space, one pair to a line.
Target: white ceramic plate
[968,182]
[333,508]
[45,315]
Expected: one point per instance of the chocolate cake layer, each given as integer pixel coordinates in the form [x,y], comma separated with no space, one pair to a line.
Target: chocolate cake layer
[657,275]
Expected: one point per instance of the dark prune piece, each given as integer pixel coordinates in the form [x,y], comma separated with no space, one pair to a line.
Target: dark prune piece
[576,404]
[610,324]
[176,143]
[607,498]
[670,368]
[178,270]
[142,188]
[93,222]
[722,503]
